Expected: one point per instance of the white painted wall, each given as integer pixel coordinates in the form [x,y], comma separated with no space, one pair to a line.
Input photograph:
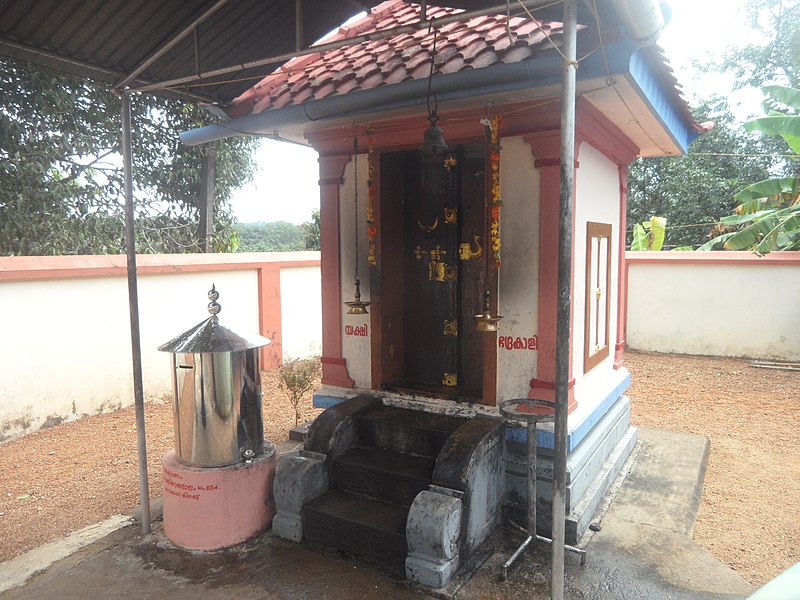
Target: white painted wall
[301,312]
[66,349]
[597,193]
[356,349]
[718,304]
[519,273]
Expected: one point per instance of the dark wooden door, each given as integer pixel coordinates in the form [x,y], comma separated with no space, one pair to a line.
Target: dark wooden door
[442,208]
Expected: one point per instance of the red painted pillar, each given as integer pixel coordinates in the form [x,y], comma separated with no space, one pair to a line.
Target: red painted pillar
[622,285]
[546,148]
[334,367]
[269,314]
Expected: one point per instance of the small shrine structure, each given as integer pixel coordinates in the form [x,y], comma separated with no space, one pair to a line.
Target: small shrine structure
[439,265]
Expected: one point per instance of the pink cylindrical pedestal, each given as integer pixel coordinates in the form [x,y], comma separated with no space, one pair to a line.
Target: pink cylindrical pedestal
[206,508]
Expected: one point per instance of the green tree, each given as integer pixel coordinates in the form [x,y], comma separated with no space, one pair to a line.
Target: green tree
[695,190]
[278,236]
[768,214]
[61,187]
[774,56]
[312,232]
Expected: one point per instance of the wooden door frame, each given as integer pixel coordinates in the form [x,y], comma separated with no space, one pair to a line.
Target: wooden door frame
[377,282]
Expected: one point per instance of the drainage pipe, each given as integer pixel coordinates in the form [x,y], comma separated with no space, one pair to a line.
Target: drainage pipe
[642,19]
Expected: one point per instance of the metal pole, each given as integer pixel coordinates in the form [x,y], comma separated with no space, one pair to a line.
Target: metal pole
[298,25]
[133,301]
[567,167]
[532,460]
[168,44]
[320,48]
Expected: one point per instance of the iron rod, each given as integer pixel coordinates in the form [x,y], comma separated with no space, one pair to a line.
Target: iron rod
[563,316]
[196,39]
[133,301]
[167,45]
[532,495]
[515,556]
[97,71]
[357,39]
[540,538]
[298,25]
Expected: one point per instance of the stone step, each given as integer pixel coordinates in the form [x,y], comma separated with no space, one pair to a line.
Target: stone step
[384,474]
[366,527]
[406,431]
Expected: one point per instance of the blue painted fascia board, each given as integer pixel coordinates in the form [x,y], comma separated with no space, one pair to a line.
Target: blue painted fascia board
[624,59]
[661,101]
[577,431]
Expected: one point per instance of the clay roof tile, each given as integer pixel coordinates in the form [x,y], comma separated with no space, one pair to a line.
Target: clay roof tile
[516,54]
[476,43]
[396,75]
[324,90]
[456,63]
[484,59]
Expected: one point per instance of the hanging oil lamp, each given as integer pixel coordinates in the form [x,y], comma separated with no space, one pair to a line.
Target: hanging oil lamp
[485,321]
[357,306]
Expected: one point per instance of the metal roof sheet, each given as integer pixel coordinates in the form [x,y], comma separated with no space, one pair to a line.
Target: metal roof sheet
[107,39]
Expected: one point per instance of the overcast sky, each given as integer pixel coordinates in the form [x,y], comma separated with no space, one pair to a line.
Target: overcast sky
[285,189]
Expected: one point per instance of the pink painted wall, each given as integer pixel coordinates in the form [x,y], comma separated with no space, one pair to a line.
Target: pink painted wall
[66,340]
[714,303]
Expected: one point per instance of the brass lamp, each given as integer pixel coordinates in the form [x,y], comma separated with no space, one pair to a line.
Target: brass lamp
[485,321]
[357,306]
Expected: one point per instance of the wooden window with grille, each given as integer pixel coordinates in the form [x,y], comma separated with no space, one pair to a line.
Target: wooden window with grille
[598,291]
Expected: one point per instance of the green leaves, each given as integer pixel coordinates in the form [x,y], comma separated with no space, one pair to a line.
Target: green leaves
[296,378]
[777,230]
[695,190]
[786,95]
[61,171]
[649,235]
[768,193]
[786,126]
[768,213]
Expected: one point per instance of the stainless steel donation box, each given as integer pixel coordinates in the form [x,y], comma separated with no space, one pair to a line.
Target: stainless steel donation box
[217,393]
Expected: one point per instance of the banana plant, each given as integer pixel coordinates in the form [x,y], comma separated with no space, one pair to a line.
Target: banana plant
[649,235]
[768,214]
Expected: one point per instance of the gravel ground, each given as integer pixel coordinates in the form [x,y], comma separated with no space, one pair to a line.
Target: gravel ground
[61,479]
[749,515]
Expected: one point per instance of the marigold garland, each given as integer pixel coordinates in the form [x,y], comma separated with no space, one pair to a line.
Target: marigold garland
[372,232]
[492,128]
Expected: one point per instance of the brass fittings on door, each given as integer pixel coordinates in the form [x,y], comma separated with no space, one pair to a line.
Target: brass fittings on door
[467,252]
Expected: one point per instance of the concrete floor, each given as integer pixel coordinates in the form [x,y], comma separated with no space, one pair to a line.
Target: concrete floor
[643,551]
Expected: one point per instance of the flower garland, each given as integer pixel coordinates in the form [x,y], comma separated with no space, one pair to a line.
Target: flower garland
[492,127]
[372,232]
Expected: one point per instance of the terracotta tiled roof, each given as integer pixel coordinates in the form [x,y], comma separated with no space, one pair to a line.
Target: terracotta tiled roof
[472,44]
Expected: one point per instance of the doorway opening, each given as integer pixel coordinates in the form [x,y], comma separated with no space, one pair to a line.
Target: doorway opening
[433,273]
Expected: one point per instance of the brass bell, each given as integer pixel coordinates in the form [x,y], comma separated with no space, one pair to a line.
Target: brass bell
[485,321]
[433,143]
[357,307]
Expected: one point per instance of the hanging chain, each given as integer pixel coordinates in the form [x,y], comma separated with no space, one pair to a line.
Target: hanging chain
[355,199]
[430,75]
